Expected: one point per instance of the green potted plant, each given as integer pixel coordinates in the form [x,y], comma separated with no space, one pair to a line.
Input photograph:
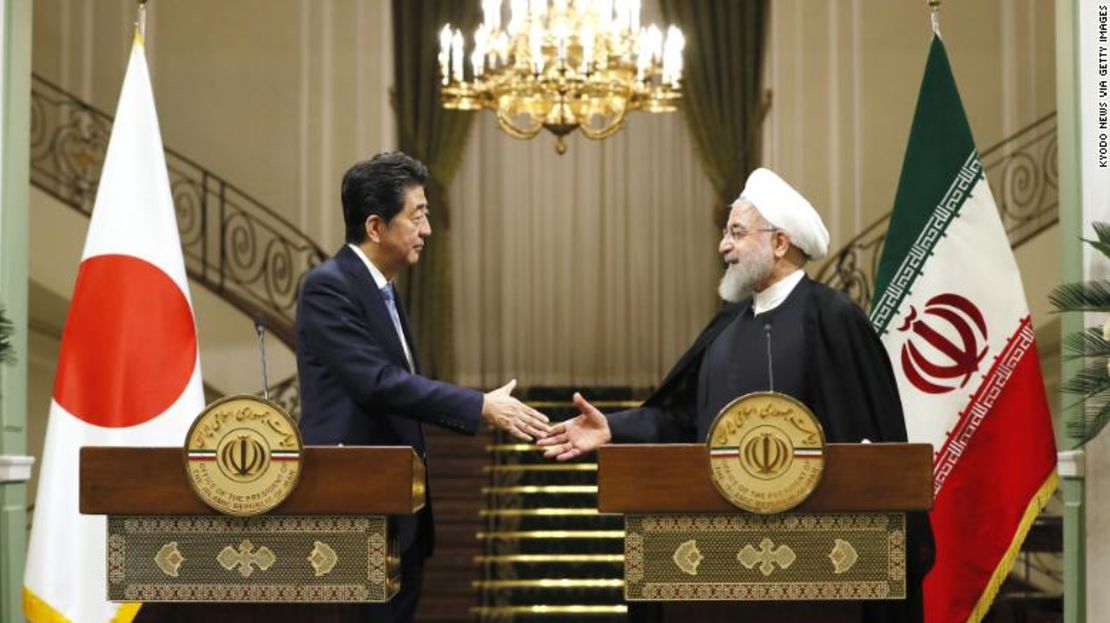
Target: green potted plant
[6,353]
[1091,385]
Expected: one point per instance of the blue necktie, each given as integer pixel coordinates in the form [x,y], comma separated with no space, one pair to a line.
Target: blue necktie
[391,304]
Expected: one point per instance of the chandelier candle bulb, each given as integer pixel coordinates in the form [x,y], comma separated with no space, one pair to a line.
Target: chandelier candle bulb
[536,36]
[476,62]
[605,15]
[457,56]
[655,43]
[643,57]
[517,11]
[672,57]
[587,50]
[445,54]
[491,14]
[478,56]
[562,34]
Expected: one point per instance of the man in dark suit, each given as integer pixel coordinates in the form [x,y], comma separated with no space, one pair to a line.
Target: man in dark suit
[356,360]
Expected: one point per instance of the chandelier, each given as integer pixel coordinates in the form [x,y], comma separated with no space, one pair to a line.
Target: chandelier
[562,66]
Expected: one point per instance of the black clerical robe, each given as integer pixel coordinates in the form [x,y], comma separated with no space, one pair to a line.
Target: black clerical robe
[824,353]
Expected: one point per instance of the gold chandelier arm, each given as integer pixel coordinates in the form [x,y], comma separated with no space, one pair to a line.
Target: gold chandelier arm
[608,130]
[615,123]
[506,123]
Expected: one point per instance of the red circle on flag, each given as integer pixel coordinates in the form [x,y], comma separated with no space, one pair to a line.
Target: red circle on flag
[129,345]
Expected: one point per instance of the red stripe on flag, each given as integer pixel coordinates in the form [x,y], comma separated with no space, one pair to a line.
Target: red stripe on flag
[982,402]
[977,513]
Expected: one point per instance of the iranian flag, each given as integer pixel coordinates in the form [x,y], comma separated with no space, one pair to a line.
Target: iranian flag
[128,368]
[952,314]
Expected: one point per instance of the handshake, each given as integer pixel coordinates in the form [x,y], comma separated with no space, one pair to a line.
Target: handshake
[564,441]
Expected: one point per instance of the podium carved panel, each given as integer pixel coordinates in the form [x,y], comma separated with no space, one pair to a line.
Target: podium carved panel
[745,557]
[275,558]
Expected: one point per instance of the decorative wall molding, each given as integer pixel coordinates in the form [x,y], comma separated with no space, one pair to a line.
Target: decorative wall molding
[15,468]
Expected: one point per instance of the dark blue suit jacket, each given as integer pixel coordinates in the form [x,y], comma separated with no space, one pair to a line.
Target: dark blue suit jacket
[356,388]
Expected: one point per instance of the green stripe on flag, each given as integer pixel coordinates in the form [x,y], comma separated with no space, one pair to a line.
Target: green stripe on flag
[940,160]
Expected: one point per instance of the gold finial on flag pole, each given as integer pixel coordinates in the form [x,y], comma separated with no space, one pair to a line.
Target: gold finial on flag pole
[140,23]
[934,15]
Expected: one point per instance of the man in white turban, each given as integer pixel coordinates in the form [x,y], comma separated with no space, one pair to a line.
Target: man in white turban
[768,205]
[781,331]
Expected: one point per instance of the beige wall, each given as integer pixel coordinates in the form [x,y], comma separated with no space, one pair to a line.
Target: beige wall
[278,97]
[845,77]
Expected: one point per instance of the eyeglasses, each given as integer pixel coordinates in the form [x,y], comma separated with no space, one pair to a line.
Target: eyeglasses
[736,233]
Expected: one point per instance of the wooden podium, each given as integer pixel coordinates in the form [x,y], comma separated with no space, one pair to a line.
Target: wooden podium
[320,554]
[688,546]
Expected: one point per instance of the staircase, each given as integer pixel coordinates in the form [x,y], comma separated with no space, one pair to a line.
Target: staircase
[546,551]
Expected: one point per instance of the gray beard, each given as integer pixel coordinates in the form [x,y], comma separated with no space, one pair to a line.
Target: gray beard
[740,279]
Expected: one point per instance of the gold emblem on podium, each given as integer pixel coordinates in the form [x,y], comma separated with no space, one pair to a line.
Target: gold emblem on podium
[243,455]
[766,452]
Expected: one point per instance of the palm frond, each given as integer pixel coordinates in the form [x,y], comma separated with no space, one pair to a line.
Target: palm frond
[1103,247]
[1088,382]
[1083,296]
[6,329]
[1102,233]
[1095,416]
[1092,384]
[1085,344]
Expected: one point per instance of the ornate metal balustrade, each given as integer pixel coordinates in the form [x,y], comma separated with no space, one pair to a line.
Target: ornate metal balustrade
[1021,171]
[287,395]
[236,247]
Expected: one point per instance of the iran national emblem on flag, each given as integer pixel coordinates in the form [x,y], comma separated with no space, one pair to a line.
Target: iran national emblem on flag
[951,311]
[129,370]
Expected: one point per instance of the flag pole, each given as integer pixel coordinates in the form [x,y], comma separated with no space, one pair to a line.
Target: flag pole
[934,15]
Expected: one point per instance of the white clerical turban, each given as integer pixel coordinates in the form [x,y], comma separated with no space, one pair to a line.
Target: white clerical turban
[786,209]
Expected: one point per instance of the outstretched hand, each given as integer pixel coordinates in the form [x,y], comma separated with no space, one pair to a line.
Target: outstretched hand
[583,433]
[501,410]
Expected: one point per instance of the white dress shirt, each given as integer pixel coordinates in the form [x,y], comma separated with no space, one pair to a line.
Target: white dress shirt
[775,294]
[380,281]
